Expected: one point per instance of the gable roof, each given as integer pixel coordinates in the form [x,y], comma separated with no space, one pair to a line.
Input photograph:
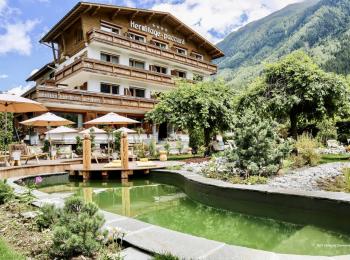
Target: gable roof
[85,7]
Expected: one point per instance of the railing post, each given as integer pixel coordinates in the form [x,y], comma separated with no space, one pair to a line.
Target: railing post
[86,156]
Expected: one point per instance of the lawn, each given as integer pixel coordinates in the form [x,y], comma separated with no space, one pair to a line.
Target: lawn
[328,158]
[6,253]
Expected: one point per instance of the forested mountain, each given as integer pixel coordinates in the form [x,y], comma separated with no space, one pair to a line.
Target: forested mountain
[319,27]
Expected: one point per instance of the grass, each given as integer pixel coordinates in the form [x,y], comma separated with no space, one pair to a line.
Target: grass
[328,158]
[6,253]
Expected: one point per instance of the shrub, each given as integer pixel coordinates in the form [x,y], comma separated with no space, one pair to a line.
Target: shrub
[259,150]
[48,215]
[327,130]
[46,147]
[179,146]
[117,136]
[78,229]
[141,150]
[79,147]
[306,149]
[6,192]
[167,147]
[196,140]
[153,148]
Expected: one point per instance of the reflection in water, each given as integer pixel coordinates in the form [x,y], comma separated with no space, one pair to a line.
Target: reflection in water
[168,207]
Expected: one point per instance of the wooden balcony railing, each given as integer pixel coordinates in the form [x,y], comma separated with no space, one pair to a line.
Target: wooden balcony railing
[79,97]
[122,41]
[122,71]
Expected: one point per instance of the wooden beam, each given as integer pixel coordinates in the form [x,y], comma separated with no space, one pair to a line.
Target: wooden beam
[53,52]
[116,12]
[149,18]
[190,36]
[164,19]
[87,9]
[178,27]
[95,11]
[133,15]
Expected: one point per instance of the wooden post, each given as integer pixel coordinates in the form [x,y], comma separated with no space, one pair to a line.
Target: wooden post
[124,155]
[86,156]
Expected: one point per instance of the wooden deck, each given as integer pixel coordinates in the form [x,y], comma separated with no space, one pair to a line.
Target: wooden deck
[78,169]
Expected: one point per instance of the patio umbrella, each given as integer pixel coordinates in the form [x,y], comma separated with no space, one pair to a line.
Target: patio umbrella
[112,119]
[94,129]
[17,104]
[126,130]
[48,119]
[62,131]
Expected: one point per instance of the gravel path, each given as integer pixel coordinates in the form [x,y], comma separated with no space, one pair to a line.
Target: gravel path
[306,178]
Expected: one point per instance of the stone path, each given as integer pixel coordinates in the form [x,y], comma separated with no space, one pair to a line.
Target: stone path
[306,179]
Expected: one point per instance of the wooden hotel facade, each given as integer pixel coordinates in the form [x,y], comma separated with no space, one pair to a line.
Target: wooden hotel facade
[109,58]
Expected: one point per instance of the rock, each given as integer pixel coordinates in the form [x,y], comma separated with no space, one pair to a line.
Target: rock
[29,214]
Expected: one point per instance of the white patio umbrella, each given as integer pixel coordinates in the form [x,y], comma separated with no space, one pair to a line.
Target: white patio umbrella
[112,119]
[17,104]
[94,129]
[48,119]
[125,130]
[62,131]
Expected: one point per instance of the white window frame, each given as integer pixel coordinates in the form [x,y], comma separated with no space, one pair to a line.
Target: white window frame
[110,88]
[132,87]
[154,42]
[181,49]
[111,56]
[161,67]
[138,35]
[109,28]
[197,56]
[136,60]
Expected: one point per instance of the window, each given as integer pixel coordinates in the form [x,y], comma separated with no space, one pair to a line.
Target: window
[109,88]
[197,77]
[110,28]
[136,64]
[158,69]
[181,51]
[136,37]
[160,44]
[197,56]
[109,58]
[137,92]
[178,73]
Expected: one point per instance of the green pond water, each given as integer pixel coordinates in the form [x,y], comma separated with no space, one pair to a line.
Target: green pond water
[167,206]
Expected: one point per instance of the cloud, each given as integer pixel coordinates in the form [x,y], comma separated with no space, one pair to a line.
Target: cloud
[19,90]
[15,34]
[4,76]
[214,19]
[33,72]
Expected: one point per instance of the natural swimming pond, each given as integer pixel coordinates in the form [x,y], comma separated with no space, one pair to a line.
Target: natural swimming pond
[167,206]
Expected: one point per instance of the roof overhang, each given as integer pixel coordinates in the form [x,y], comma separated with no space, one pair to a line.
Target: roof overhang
[93,8]
[42,71]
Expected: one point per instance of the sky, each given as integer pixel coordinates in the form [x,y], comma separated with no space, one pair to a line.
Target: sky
[24,22]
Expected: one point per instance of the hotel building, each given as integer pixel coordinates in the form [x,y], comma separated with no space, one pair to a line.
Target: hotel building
[109,58]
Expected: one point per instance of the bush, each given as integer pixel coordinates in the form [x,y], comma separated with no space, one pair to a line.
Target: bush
[153,148]
[48,215]
[141,150]
[117,136]
[259,150]
[196,140]
[306,151]
[79,147]
[46,147]
[165,256]
[6,192]
[78,229]
[327,130]
[167,147]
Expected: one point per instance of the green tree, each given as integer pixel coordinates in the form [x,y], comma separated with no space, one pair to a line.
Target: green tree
[6,135]
[296,88]
[204,105]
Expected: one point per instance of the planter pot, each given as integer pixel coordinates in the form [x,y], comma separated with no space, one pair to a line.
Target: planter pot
[163,156]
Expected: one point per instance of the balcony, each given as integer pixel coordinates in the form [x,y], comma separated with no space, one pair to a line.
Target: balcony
[146,48]
[116,70]
[68,99]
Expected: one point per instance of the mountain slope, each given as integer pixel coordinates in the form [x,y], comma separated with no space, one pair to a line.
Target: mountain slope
[320,27]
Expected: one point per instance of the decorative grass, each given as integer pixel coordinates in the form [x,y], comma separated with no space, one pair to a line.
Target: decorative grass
[6,253]
[329,158]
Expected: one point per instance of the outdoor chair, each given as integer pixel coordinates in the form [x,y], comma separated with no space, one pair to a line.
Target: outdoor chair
[26,153]
[98,155]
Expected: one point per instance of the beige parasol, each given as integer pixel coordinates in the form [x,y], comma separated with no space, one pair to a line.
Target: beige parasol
[112,119]
[48,119]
